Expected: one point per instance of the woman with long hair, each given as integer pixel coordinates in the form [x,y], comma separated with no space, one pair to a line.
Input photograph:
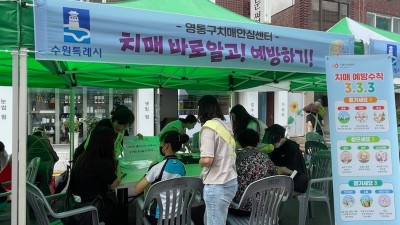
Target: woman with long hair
[242,120]
[217,158]
[96,172]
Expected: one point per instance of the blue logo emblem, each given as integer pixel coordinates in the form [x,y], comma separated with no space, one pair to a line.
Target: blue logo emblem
[392,49]
[76,25]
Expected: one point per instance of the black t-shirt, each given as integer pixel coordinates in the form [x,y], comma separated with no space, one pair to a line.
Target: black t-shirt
[289,155]
[107,123]
[81,148]
[311,117]
[93,181]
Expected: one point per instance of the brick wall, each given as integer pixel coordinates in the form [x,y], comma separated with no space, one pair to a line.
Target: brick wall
[302,14]
[241,7]
[284,18]
[359,8]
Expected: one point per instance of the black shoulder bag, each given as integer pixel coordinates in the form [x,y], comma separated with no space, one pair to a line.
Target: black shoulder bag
[83,218]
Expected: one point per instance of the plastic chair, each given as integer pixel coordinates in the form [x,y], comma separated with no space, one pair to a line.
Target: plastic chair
[311,147]
[41,207]
[32,169]
[266,195]
[31,172]
[179,195]
[314,136]
[319,187]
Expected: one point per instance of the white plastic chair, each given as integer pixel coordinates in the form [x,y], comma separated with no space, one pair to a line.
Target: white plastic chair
[180,195]
[266,195]
[41,207]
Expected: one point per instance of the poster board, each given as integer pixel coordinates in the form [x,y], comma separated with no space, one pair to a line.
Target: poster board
[364,142]
[136,149]
[390,48]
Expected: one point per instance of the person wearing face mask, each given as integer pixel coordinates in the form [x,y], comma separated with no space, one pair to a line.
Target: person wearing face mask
[288,157]
[122,118]
[180,125]
[170,167]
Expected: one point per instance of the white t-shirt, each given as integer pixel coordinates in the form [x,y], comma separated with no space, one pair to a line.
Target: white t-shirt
[223,168]
[173,169]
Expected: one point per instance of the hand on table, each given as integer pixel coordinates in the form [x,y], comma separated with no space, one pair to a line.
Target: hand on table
[119,172]
[140,136]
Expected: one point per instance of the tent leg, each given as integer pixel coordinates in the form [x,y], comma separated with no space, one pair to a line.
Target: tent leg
[14,176]
[233,98]
[22,132]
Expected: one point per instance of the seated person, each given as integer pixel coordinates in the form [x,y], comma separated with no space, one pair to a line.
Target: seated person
[251,165]
[3,156]
[38,145]
[170,167]
[288,157]
[5,174]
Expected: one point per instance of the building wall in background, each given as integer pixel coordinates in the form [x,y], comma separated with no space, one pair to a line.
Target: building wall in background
[285,17]
[359,8]
[278,6]
[241,7]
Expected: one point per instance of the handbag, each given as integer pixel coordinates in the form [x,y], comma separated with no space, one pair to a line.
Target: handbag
[83,218]
[300,182]
[61,181]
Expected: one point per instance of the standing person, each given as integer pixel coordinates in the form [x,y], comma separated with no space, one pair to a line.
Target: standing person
[121,119]
[288,157]
[252,165]
[314,120]
[241,120]
[180,126]
[170,167]
[95,172]
[3,156]
[217,158]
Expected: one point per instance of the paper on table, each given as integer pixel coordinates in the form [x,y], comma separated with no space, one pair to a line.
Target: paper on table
[147,148]
[139,164]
